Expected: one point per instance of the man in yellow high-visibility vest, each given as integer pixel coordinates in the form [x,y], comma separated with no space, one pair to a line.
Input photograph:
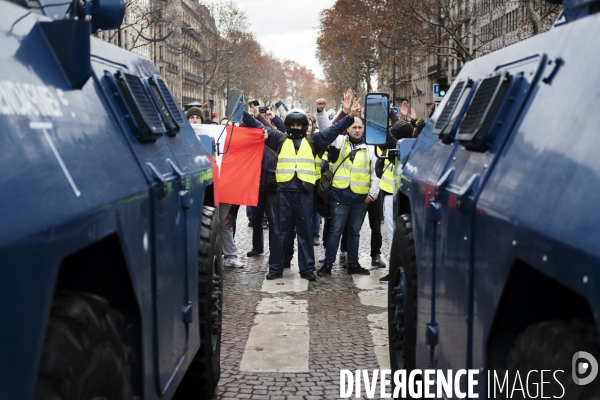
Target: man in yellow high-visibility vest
[354,186]
[296,176]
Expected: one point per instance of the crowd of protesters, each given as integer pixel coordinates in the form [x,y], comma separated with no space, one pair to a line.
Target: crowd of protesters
[299,148]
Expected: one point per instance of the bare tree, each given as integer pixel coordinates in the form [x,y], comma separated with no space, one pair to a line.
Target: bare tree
[541,14]
[347,60]
[448,27]
[145,22]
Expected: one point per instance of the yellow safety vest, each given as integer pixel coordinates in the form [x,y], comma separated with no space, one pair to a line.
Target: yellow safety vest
[356,174]
[386,183]
[318,166]
[301,163]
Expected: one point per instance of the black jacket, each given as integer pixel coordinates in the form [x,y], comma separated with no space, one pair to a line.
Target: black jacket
[267,171]
[320,142]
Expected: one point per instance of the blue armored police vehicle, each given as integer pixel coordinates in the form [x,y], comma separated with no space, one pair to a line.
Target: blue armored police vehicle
[110,252]
[495,261]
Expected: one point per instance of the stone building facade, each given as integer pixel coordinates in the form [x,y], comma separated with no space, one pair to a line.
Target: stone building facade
[173,34]
[494,24]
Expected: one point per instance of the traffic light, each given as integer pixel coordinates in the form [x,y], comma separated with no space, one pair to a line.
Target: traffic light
[442,86]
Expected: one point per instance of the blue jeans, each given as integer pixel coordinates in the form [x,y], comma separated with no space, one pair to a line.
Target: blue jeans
[316,224]
[316,219]
[351,216]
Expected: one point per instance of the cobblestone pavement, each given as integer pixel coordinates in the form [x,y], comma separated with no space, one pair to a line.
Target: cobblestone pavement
[344,322]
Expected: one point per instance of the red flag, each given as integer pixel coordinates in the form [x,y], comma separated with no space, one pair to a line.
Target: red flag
[239,179]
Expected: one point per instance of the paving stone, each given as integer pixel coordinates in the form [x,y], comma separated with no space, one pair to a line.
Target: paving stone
[340,337]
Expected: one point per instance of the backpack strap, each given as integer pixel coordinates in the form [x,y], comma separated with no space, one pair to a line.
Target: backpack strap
[271,150]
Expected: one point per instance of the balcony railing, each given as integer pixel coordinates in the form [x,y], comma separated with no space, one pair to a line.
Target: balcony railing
[172,67]
[192,77]
[463,15]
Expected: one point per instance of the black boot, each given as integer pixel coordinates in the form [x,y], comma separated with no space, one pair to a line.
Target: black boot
[308,275]
[325,270]
[254,252]
[357,269]
[274,275]
[376,262]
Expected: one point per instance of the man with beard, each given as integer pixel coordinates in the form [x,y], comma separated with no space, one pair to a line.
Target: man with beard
[354,186]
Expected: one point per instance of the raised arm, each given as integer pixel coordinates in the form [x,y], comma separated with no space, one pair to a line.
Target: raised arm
[323,121]
[272,140]
[324,138]
[276,121]
[279,103]
[265,121]
[345,106]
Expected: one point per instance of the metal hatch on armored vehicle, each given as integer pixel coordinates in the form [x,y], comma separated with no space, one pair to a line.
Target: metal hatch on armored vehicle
[110,251]
[494,260]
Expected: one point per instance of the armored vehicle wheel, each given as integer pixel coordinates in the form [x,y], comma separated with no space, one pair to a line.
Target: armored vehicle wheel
[551,345]
[402,297]
[204,372]
[83,357]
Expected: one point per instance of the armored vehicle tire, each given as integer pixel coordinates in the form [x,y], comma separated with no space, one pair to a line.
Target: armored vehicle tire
[402,297]
[83,357]
[203,374]
[551,345]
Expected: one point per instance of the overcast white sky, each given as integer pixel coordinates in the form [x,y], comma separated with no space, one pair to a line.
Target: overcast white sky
[287,28]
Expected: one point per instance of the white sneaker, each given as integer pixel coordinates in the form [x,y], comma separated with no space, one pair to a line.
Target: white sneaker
[234,262]
[322,258]
[343,256]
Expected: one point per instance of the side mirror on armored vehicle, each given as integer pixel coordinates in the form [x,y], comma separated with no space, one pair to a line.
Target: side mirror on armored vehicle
[235,105]
[377,115]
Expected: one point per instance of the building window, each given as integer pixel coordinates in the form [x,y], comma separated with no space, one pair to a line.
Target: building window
[160,53]
[162,71]
[511,20]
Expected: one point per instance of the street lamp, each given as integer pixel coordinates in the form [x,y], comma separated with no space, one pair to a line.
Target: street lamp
[363,38]
[203,62]
[394,49]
